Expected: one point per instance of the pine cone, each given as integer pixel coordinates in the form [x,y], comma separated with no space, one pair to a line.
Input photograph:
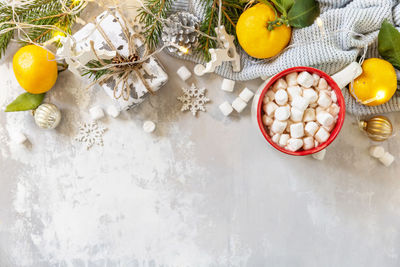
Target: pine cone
[183,36]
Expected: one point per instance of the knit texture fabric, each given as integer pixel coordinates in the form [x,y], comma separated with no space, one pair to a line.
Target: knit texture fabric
[343,21]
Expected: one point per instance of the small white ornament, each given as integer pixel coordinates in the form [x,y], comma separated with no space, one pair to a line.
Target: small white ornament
[149,126]
[226,53]
[193,99]
[90,134]
[47,116]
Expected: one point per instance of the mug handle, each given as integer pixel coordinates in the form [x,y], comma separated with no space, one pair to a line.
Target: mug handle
[347,75]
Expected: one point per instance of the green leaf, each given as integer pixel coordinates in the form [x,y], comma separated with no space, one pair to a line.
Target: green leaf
[25,101]
[283,6]
[389,44]
[303,13]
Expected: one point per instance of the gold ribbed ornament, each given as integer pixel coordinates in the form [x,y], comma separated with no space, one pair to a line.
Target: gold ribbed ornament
[378,128]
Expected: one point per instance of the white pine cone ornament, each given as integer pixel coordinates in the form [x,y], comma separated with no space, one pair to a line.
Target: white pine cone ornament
[174,32]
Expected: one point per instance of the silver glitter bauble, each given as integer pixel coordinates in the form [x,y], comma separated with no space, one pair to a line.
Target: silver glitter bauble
[47,116]
[181,29]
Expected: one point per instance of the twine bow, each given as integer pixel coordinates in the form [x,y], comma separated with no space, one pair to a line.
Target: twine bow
[121,66]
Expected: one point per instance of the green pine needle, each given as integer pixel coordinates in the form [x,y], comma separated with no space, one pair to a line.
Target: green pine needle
[96,74]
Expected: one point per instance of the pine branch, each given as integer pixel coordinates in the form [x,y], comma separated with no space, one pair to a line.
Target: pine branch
[153,27]
[96,74]
[37,12]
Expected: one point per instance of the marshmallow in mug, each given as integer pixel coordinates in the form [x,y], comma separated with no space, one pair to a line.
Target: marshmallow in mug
[300,111]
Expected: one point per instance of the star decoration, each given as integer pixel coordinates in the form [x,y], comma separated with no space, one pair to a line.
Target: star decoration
[90,134]
[193,99]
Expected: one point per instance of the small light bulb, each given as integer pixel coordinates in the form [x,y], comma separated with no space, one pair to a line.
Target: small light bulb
[380,95]
[58,36]
[183,49]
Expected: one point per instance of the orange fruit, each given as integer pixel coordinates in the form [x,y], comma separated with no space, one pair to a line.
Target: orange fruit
[254,36]
[35,69]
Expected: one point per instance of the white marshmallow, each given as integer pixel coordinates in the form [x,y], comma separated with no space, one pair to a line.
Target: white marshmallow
[322,85]
[281,97]
[333,96]
[324,100]
[279,84]
[246,95]
[376,151]
[308,143]
[228,85]
[289,123]
[113,111]
[305,79]
[270,94]
[278,126]
[300,103]
[294,91]
[226,108]
[291,79]
[270,108]
[311,128]
[149,126]
[239,105]
[309,115]
[334,110]
[96,113]
[294,144]
[316,79]
[310,95]
[318,110]
[322,135]
[19,138]
[284,139]
[296,114]
[297,130]
[267,120]
[329,128]
[313,105]
[319,155]
[316,143]
[282,113]
[275,138]
[387,159]
[325,119]
[183,73]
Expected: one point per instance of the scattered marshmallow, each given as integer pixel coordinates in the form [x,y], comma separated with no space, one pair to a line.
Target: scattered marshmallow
[294,144]
[281,97]
[316,79]
[308,143]
[282,113]
[276,138]
[246,95]
[239,105]
[291,79]
[387,159]
[183,73]
[324,100]
[226,108]
[228,85]
[293,91]
[305,79]
[310,95]
[296,114]
[319,155]
[280,84]
[270,108]
[309,115]
[300,103]
[325,119]
[267,120]
[322,135]
[284,140]
[322,85]
[149,126]
[113,111]
[311,128]
[96,113]
[19,138]
[376,152]
[278,126]
[297,130]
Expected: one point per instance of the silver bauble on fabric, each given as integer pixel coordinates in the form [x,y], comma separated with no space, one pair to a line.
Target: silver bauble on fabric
[174,32]
[47,116]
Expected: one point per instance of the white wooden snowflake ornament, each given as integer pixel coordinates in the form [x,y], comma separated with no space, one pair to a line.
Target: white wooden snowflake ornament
[193,99]
[90,134]
[226,53]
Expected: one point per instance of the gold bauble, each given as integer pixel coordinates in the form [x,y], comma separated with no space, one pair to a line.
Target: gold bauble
[378,128]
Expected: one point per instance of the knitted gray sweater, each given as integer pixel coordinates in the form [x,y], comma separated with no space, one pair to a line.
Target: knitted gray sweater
[330,53]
